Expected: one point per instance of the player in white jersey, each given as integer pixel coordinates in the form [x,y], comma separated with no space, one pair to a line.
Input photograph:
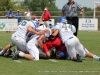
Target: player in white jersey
[32,46]
[71,42]
[85,51]
[19,37]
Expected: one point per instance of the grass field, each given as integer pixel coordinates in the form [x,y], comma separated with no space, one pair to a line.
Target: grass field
[91,40]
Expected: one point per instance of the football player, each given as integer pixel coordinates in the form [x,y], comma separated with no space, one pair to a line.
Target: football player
[32,45]
[71,42]
[63,53]
[19,37]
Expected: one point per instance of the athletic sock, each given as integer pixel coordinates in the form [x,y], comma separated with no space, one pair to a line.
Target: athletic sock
[21,54]
[96,57]
[87,51]
[1,52]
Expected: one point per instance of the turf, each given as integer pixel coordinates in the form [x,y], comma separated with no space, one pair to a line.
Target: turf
[90,39]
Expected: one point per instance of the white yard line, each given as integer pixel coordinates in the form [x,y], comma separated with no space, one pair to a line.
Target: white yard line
[53,60]
[18,61]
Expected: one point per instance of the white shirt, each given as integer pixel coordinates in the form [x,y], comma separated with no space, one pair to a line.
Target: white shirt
[28,15]
[65,30]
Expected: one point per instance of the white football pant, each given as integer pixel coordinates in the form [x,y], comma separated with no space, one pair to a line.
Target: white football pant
[74,44]
[33,49]
[19,42]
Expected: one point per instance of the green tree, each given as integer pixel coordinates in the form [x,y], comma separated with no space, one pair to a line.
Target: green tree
[38,5]
[88,11]
[98,11]
[6,5]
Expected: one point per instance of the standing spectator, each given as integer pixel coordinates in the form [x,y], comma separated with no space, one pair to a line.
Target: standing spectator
[10,14]
[46,17]
[18,16]
[28,14]
[71,8]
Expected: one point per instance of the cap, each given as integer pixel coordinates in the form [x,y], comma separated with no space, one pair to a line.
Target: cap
[45,9]
[27,9]
[17,10]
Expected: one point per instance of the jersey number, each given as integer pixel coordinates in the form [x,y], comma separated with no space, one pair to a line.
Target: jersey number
[23,23]
[67,27]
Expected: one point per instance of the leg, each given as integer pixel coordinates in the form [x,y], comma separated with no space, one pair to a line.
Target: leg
[16,53]
[41,53]
[5,49]
[32,49]
[71,51]
[78,46]
[91,55]
[33,53]
[20,43]
[8,46]
[80,49]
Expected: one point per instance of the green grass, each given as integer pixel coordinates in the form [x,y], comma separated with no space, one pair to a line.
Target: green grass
[91,40]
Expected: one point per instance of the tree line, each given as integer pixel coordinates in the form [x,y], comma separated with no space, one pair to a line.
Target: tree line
[37,6]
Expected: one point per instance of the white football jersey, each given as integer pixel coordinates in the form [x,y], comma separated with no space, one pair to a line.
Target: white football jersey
[39,28]
[22,29]
[65,30]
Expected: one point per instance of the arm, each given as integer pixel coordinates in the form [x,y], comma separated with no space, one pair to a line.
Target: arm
[30,12]
[82,11]
[43,46]
[80,8]
[55,33]
[63,13]
[40,41]
[31,30]
[25,13]
[49,15]
[63,10]
[41,18]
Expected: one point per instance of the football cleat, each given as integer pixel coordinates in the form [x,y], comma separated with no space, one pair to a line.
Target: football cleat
[1,51]
[78,58]
[99,59]
[15,54]
[8,52]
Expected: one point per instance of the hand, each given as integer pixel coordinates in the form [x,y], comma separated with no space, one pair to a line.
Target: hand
[57,56]
[81,12]
[41,33]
